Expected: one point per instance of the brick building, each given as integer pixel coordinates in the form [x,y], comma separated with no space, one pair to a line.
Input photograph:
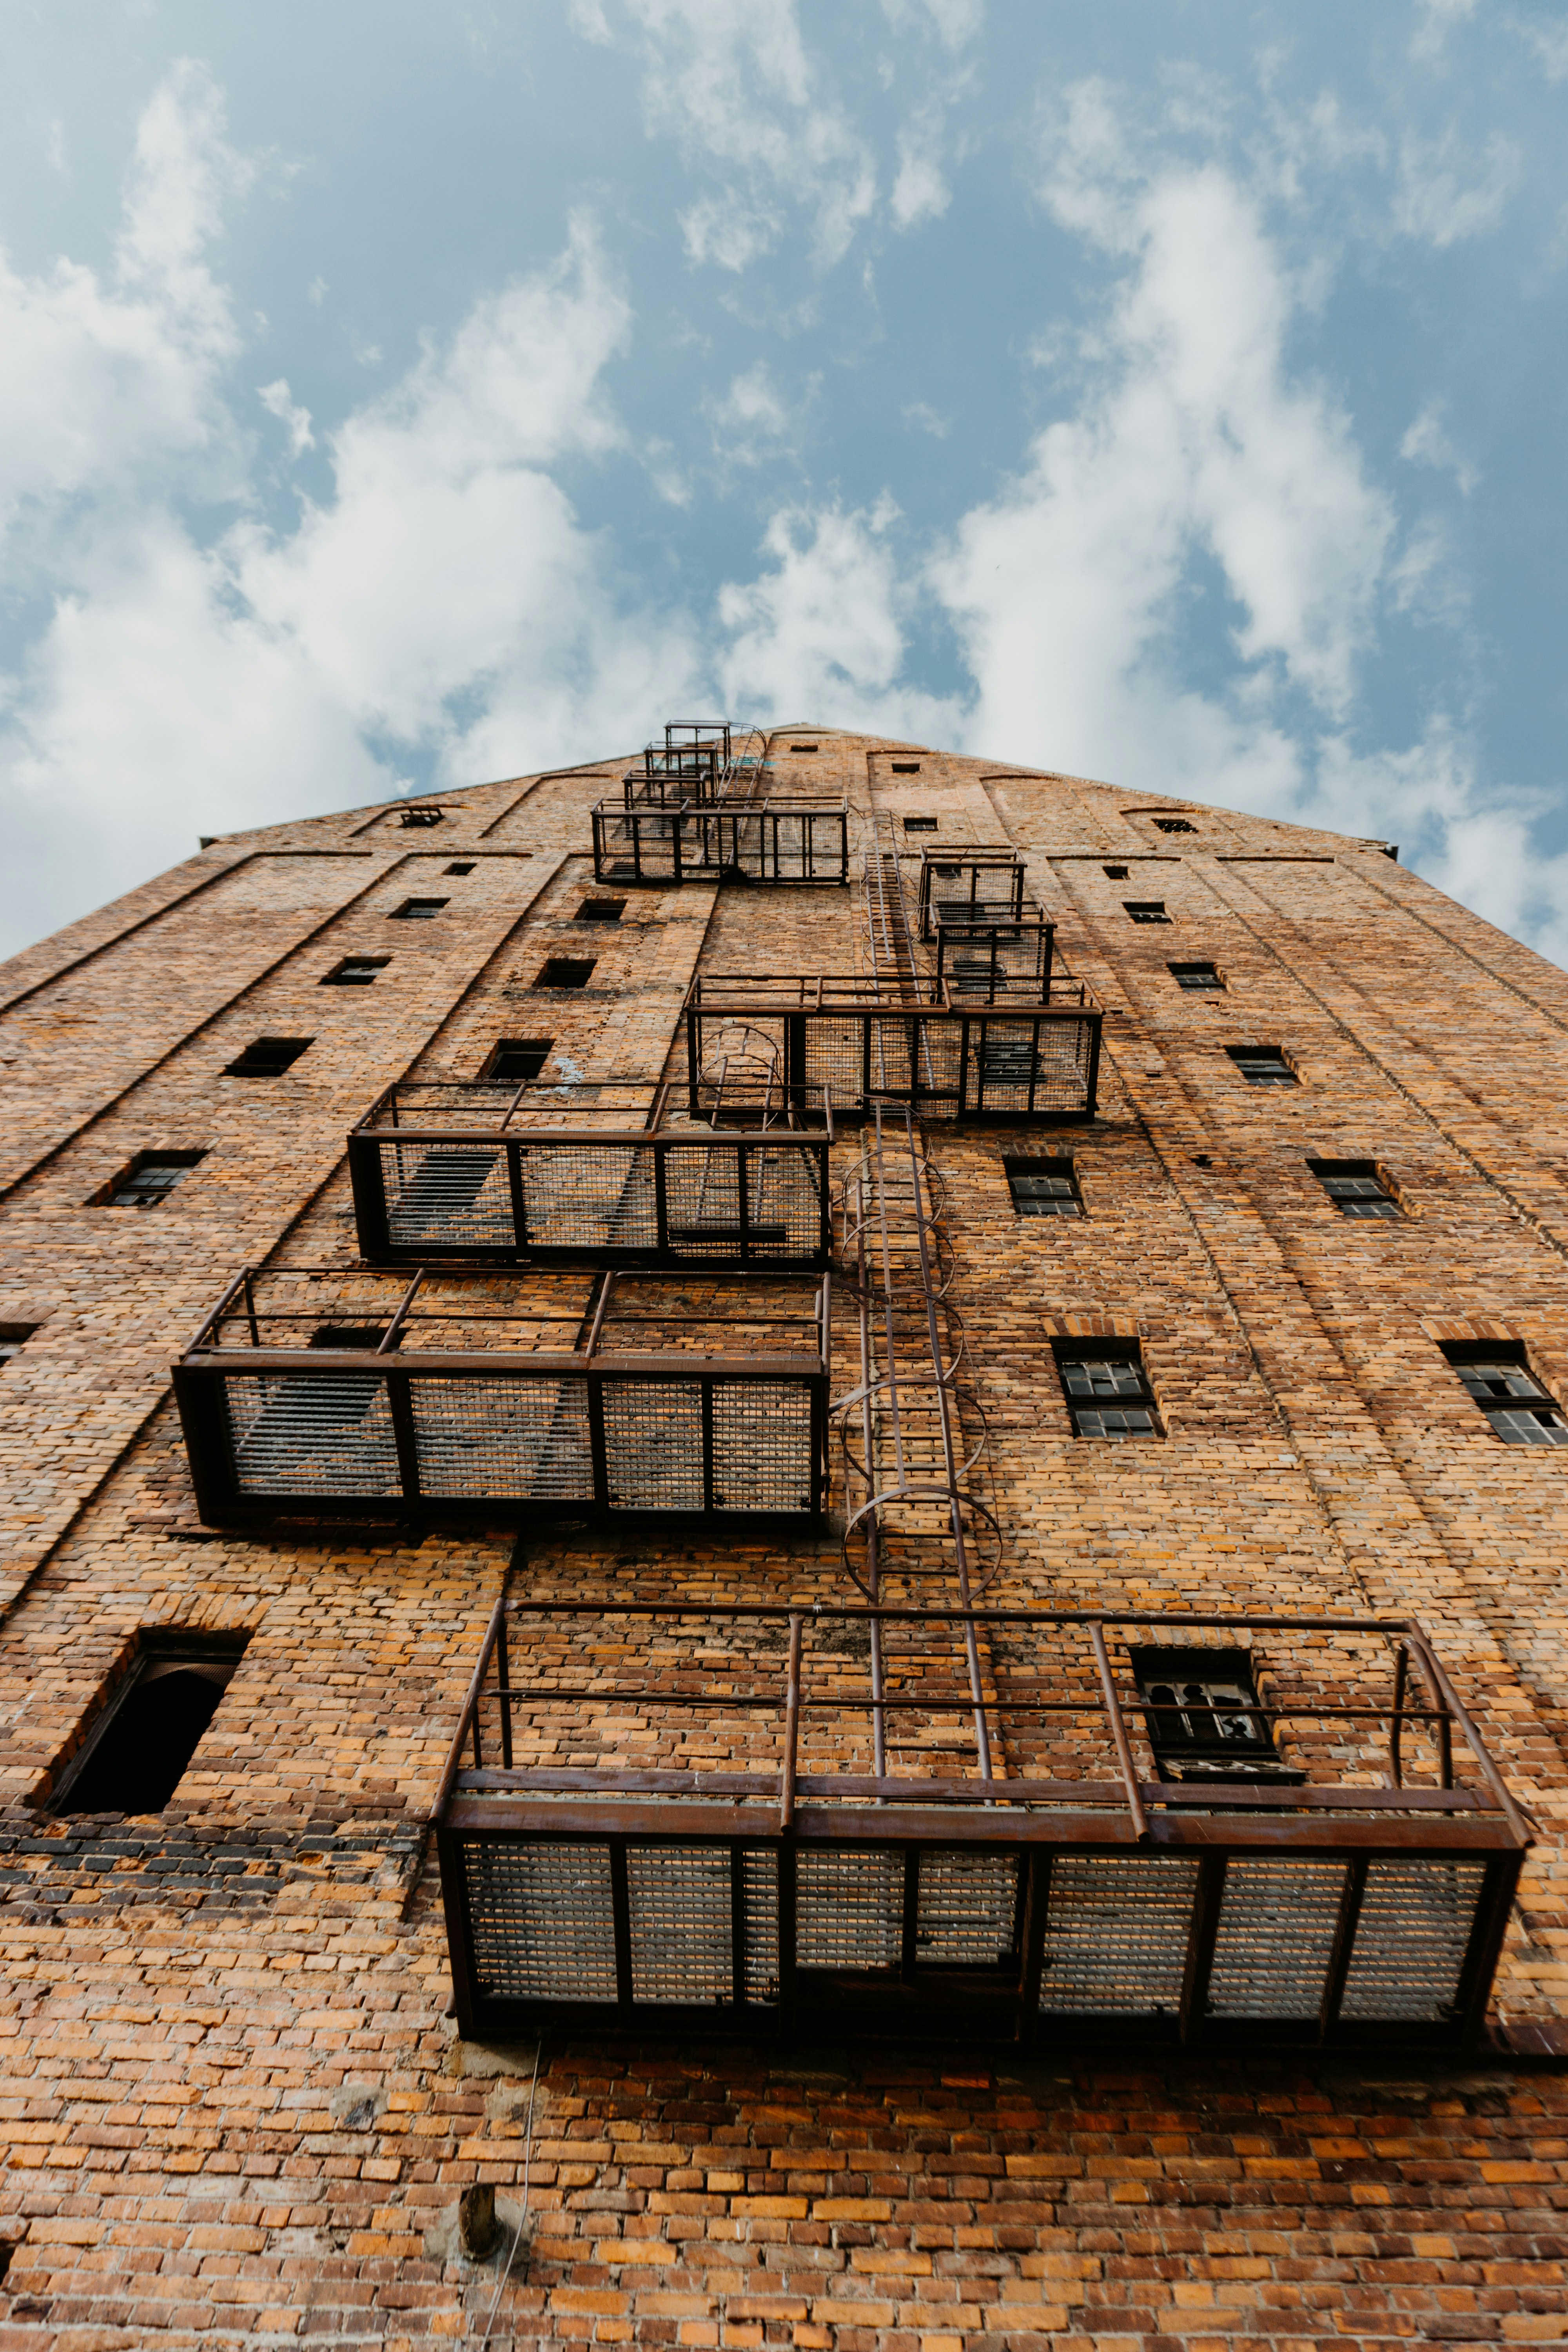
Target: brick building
[801,1502]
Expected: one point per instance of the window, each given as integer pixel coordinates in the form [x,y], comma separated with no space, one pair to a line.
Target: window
[1116,873]
[1202,1720]
[354,972]
[418,911]
[601,910]
[462,866]
[415,816]
[1107,1392]
[907,768]
[517,1061]
[1262,1066]
[1500,1379]
[564,971]
[1194,975]
[1173,825]
[366,1336]
[1146,911]
[14,1337]
[803,747]
[1355,1187]
[920,824]
[1044,1187]
[269,1057]
[138,1752]
[148,1181]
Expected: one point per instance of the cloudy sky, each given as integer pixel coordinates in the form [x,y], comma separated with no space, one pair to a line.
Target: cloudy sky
[397,394]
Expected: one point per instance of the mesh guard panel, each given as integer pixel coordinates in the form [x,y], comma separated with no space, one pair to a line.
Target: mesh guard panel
[760,1886]
[1116,1934]
[653,1445]
[967,1909]
[509,1439]
[542,1922]
[311,1433]
[762,1446]
[1276,1937]
[439,1196]
[679,1899]
[1411,1938]
[850,1909]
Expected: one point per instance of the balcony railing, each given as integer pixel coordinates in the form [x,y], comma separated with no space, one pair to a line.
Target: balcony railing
[993,961]
[334,1392]
[763,841]
[478,1172]
[982,886]
[840,1036]
[665,1819]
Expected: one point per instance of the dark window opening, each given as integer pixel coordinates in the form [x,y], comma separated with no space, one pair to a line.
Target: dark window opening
[348,1335]
[1262,1066]
[1194,975]
[1173,825]
[601,910]
[1107,1391]
[517,1061]
[1202,1719]
[1044,1187]
[1355,1187]
[1146,911]
[462,866]
[354,972]
[14,1337]
[139,1748]
[417,816]
[906,768]
[147,1180]
[418,911]
[267,1057]
[1498,1376]
[803,747]
[1115,873]
[920,824]
[564,971]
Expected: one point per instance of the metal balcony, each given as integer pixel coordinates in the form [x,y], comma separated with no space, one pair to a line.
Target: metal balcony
[994,962]
[327,1391]
[979,886]
[492,1174]
[762,840]
[665,1819]
[845,1037]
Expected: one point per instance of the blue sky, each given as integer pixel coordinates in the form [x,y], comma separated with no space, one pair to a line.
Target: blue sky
[396,396]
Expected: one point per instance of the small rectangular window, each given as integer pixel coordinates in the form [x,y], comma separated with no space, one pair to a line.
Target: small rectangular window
[354,972]
[418,911]
[920,824]
[1194,975]
[803,747]
[1044,1187]
[1107,1391]
[460,866]
[906,768]
[1498,1378]
[1146,911]
[1355,1187]
[1173,825]
[516,1061]
[564,971]
[267,1057]
[14,1337]
[148,1181]
[1115,873]
[601,910]
[1202,1719]
[421,817]
[139,1747]
[1262,1066]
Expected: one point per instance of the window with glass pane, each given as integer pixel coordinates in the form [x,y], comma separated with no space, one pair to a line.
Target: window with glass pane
[149,1181]
[1106,1394]
[1146,911]
[1500,1381]
[1262,1066]
[1194,975]
[1355,1187]
[1203,1718]
[1044,1188]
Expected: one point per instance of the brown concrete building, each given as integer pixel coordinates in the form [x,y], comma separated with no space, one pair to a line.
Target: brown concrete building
[803,1502]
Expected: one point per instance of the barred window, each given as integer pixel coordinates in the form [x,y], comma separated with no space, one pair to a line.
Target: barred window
[1263,1066]
[1173,825]
[1498,1378]
[149,1179]
[1107,1391]
[1146,911]
[1355,1187]
[1044,1187]
[1194,975]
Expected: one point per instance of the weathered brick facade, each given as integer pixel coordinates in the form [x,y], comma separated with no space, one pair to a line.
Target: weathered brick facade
[235,2101]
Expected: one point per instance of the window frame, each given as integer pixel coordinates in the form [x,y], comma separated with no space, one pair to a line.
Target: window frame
[301,1045]
[921,825]
[1331,1172]
[1290,1075]
[354,972]
[616,907]
[156,1197]
[559,963]
[1173,825]
[421,818]
[166,1647]
[1200,1746]
[1217,986]
[418,911]
[1052,1163]
[1082,1410]
[1539,1404]
[490,1074]
[1147,912]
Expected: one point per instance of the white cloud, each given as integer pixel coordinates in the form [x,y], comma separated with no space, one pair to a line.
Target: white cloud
[1439,197]
[1439,18]
[956,22]
[920,190]
[729,233]
[1550,43]
[922,417]
[1426,442]
[279,402]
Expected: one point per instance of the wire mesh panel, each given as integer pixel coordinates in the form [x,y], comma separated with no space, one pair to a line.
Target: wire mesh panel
[1017,1065]
[1411,1938]
[588,1196]
[514,1439]
[966,1909]
[444,1196]
[311,1433]
[653,1445]
[760,1897]
[1116,1934]
[761,1445]
[680,1922]
[1276,1937]
[848,1908]
[783,1186]
[542,1920]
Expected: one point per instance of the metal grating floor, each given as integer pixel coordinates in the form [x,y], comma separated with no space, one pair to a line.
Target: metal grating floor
[849,1908]
[543,1920]
[1116,1934]
[1276,1927]
[1411,1938]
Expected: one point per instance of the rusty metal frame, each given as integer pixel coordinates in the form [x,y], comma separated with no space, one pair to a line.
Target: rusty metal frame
[782,1813]
[746,841]
[1008,905]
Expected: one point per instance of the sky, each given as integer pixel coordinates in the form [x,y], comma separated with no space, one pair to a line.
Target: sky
[395,396]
